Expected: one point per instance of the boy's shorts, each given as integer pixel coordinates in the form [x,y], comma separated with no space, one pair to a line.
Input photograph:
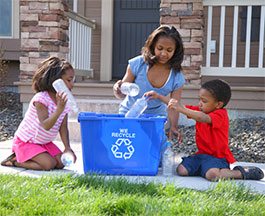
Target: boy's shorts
[198,165]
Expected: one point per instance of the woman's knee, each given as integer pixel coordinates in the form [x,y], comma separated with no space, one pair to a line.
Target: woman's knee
[182,171]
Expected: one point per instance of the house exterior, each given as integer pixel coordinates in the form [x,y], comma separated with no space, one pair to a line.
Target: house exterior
[10,40]
[221,39]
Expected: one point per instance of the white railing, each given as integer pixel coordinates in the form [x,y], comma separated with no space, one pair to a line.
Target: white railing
[233,70]
[80,30]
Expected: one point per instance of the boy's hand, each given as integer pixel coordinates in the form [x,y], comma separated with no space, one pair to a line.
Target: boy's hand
[174,104]
[151,95]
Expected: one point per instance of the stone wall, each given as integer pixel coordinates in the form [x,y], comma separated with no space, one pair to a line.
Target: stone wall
[44,33]
[187,17]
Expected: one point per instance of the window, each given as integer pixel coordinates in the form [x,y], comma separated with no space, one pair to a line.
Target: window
[9,19]
[255,23]
[5,18]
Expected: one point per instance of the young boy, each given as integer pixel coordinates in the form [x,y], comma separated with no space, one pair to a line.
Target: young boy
[213,159]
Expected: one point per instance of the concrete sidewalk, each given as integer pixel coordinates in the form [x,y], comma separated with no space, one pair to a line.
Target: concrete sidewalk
[197,183]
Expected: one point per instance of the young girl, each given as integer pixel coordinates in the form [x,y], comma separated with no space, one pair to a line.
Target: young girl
[46,116]
[157,69]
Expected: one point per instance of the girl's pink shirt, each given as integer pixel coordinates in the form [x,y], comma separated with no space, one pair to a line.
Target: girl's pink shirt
[30,129]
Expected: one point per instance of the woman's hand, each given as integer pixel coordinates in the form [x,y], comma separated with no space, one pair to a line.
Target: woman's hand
[117,90]
[174,107]
[151,95]
[174,132]
[117,85]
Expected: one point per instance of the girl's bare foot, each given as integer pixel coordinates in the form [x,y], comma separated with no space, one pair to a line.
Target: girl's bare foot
[10,161]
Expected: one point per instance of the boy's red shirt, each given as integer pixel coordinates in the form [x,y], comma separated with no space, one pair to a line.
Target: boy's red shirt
[213,139]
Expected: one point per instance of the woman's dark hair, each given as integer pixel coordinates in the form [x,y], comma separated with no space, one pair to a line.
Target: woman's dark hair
[49,70]
[219,89]
[148,50]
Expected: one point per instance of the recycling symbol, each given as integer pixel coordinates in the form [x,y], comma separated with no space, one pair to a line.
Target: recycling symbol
[117,145]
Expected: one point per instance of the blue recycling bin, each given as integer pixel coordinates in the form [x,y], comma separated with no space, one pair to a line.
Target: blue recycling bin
[115,145]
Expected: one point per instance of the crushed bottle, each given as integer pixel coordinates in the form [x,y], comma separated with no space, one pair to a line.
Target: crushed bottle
[130,89]
[60,86]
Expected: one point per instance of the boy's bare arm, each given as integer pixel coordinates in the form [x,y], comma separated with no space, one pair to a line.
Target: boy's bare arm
[196,115]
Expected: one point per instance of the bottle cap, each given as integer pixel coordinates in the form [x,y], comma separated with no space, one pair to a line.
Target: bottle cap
[168,143]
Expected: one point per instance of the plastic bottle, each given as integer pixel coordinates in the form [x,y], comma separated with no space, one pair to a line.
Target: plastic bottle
[67,159]
[178,158]
[137,109]
[130,89]
[60,86]
[168,161]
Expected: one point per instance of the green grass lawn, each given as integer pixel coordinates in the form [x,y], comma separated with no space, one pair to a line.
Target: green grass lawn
[95,195]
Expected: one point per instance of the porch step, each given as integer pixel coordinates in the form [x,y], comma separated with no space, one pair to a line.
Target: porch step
[97,106]
[89,105]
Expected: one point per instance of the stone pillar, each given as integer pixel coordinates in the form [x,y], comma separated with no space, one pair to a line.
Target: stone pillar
[187,17]
[44,33]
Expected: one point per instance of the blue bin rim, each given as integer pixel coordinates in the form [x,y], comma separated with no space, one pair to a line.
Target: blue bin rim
[113,116]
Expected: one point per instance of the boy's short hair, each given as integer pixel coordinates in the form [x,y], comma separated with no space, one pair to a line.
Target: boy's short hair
[219,89]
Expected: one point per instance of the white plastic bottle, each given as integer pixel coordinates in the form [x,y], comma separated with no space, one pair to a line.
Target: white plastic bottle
[130,89]
[168,161]
[60,86]
[137,109]
[67,159]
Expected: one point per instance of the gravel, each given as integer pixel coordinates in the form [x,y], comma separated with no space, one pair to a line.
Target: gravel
[247,136]
[10,114]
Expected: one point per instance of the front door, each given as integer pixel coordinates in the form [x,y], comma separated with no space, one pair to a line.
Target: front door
[134,20]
